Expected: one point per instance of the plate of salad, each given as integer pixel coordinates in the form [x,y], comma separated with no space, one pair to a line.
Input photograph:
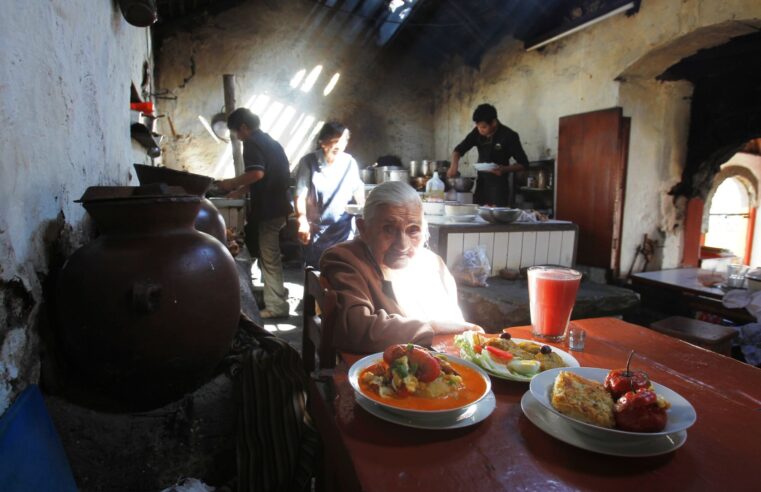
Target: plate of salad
[514,359]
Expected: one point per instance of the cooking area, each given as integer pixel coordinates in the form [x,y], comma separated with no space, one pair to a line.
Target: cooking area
[380,245]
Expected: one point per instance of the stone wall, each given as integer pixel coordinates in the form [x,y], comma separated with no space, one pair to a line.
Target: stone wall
[64,104]
[385,101]
[613,63]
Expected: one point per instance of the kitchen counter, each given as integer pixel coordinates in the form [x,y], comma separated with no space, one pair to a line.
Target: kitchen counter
[513,246]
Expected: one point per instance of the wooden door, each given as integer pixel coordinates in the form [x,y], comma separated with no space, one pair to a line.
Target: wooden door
[590,181]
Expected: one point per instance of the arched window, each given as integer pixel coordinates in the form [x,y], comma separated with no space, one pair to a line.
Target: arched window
[729,218]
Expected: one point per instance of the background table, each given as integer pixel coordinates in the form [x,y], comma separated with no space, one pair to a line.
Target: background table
[679,292]
[507,452]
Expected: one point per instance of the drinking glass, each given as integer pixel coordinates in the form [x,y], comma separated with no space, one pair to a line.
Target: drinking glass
[552,294]
[736,275]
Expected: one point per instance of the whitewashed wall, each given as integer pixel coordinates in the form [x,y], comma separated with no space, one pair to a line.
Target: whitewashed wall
[532,90]
[65,82]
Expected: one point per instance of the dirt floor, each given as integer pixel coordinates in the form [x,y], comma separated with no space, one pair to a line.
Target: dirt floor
[289,328]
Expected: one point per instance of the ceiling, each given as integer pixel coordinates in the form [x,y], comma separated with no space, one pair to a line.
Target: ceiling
[431,30]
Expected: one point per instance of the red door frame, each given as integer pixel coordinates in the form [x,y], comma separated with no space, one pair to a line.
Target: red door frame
[749,237]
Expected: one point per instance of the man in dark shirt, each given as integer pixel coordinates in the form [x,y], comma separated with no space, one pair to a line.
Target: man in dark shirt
[496,143]
[266,174]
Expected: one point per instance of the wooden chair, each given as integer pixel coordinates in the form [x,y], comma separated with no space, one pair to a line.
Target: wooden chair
[319,313]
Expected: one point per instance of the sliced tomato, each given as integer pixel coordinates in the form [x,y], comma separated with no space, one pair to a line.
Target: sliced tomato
[478,348]
[501,355]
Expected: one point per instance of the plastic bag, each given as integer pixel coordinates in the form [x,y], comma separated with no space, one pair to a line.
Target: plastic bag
[473,267]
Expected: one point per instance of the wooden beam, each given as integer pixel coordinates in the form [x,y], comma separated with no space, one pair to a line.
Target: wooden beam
[228,83]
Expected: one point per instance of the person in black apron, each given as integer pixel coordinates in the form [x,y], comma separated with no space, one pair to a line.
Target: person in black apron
[326,181]
[496,143]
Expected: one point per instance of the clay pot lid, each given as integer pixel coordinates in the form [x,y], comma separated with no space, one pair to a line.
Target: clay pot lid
[196,184]
[120,193]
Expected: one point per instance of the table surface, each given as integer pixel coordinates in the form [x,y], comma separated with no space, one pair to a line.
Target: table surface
[679,278]
[506,451]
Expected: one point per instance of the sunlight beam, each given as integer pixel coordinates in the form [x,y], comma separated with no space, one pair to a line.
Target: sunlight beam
[332,84]
[311,79]
[298,77]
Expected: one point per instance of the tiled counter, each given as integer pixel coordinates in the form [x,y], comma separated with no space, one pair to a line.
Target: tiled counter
[516,245]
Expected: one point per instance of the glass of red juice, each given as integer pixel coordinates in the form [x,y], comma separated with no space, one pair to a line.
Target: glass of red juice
[552,294]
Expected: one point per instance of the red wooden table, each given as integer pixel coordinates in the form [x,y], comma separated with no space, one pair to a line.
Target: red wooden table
[507,452]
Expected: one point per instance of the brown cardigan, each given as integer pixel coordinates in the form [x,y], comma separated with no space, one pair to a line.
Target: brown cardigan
[368,317]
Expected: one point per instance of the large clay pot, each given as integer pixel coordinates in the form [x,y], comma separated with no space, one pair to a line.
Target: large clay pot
[148,308]
[208,220]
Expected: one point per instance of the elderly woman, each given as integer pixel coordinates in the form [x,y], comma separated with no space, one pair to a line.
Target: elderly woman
[390,288]
[326,181]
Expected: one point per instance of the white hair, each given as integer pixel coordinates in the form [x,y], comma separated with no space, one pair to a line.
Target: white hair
[394,193]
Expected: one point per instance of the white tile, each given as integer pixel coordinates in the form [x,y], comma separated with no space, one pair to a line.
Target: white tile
[486,239]
[454,249]
[553,252]
[528,251]
[470,240]
[566,250]
[542,246]
[514,248]
[499,255]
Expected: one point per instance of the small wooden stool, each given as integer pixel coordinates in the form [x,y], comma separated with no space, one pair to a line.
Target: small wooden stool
[707,335]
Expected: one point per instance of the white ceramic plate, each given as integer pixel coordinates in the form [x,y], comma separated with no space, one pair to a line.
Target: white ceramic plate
[568,359]
[470,415]
[484,166]
[561,429]
[681,415]
[358,367]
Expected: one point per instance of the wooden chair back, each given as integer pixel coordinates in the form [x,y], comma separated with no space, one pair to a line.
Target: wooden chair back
[318,315]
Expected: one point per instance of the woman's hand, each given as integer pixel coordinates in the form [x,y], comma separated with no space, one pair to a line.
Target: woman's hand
[305,232]
[453,327]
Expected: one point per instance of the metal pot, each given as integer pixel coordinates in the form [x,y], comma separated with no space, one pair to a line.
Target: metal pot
[417,169]
[380,173]
[140,13]
[368,175]
[419,182]
[461,184]
[430,167]
[397,175]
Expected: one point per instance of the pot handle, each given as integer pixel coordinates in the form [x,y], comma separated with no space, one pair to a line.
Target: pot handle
[145,297]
